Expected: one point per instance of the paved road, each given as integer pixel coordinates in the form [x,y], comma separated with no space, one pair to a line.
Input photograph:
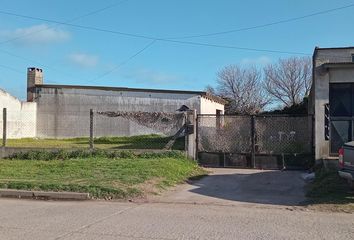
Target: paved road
[175,216]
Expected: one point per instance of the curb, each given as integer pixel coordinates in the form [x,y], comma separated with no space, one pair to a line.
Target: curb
[12,193]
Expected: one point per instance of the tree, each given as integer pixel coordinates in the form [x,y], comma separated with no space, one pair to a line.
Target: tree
[289,80]
[243,88]
[299,108]
[210,89]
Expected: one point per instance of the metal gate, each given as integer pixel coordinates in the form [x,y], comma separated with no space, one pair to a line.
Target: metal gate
[255,141]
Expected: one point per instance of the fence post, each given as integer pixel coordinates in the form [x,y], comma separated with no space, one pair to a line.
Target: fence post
[91,129]
[191,138]
[253,141]
[4,127]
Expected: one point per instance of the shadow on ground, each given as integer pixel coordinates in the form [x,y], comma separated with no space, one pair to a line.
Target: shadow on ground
[248,186]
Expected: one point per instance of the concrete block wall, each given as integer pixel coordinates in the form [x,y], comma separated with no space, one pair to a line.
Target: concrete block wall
[64,112]
[21,116]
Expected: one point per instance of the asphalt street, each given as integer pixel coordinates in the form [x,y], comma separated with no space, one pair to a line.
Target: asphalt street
[179,214]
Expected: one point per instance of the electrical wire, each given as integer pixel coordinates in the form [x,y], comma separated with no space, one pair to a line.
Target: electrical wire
[69,21]
[11,69]
[149,37]
[266,24]
[125,61]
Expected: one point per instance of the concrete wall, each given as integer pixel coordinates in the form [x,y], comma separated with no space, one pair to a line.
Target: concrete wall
[21,116]
[64,112]
[320,91]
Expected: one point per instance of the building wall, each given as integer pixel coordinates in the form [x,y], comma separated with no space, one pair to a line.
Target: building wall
[64,112]
[21,117]
[320,91]
[208,106]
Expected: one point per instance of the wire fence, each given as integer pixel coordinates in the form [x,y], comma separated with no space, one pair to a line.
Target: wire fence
[92,129]
[139,130]
[263,141]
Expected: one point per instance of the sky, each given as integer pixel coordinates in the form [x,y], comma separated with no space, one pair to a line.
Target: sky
[134,51]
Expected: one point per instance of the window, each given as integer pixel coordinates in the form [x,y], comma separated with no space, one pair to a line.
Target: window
[340,98]
[352,57]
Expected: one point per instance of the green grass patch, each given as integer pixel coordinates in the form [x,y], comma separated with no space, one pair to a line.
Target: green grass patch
[102,177]
[329,191]
[152,141]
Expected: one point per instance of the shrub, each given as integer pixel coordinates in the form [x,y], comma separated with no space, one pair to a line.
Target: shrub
[65,154]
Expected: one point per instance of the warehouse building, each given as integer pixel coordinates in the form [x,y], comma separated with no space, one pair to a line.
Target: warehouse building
[62,111]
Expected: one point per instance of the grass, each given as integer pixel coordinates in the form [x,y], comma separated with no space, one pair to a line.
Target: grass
[330,192]
[120,176]
[135,142]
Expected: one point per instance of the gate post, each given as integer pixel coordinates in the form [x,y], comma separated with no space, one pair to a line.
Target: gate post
[253,141]
[4,127]
[91,129]
[191,137]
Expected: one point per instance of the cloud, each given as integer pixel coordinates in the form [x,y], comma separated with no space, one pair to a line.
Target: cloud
[262,60]
[83,60]
[153,77]
[35,35]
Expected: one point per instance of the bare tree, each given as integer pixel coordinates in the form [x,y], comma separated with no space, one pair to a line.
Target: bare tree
[210,89]
[289,80]
[243,88]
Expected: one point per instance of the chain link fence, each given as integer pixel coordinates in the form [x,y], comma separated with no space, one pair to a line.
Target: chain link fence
[263,141]
[58,128]
[139,130]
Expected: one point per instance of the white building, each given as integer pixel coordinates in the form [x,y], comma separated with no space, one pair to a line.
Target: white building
[331,100]
[62,111]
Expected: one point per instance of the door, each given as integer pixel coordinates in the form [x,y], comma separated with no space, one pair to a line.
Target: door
[341,102]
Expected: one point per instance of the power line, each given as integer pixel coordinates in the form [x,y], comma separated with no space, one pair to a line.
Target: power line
[267,24]
[69,21]
[11,69]
[237,47]
[170,40]
[73,19]
[23,58]
[125,61]
[78,26]
[149,37]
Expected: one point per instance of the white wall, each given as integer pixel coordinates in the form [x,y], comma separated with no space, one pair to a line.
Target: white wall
[208,106]
[21,117]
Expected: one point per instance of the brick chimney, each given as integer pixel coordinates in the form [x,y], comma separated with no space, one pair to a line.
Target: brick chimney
[34,77]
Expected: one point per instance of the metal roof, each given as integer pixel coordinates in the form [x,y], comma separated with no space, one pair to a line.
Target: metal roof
[201,93]
[331,48]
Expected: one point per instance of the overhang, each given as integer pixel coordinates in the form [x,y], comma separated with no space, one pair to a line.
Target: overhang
[338,65]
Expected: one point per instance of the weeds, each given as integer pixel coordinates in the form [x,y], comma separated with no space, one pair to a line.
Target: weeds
[98,153]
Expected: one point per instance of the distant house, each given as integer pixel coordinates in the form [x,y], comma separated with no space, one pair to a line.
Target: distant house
[62,111]
[331,99]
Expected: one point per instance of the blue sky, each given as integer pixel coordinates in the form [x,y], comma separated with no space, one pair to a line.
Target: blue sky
[70,55]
